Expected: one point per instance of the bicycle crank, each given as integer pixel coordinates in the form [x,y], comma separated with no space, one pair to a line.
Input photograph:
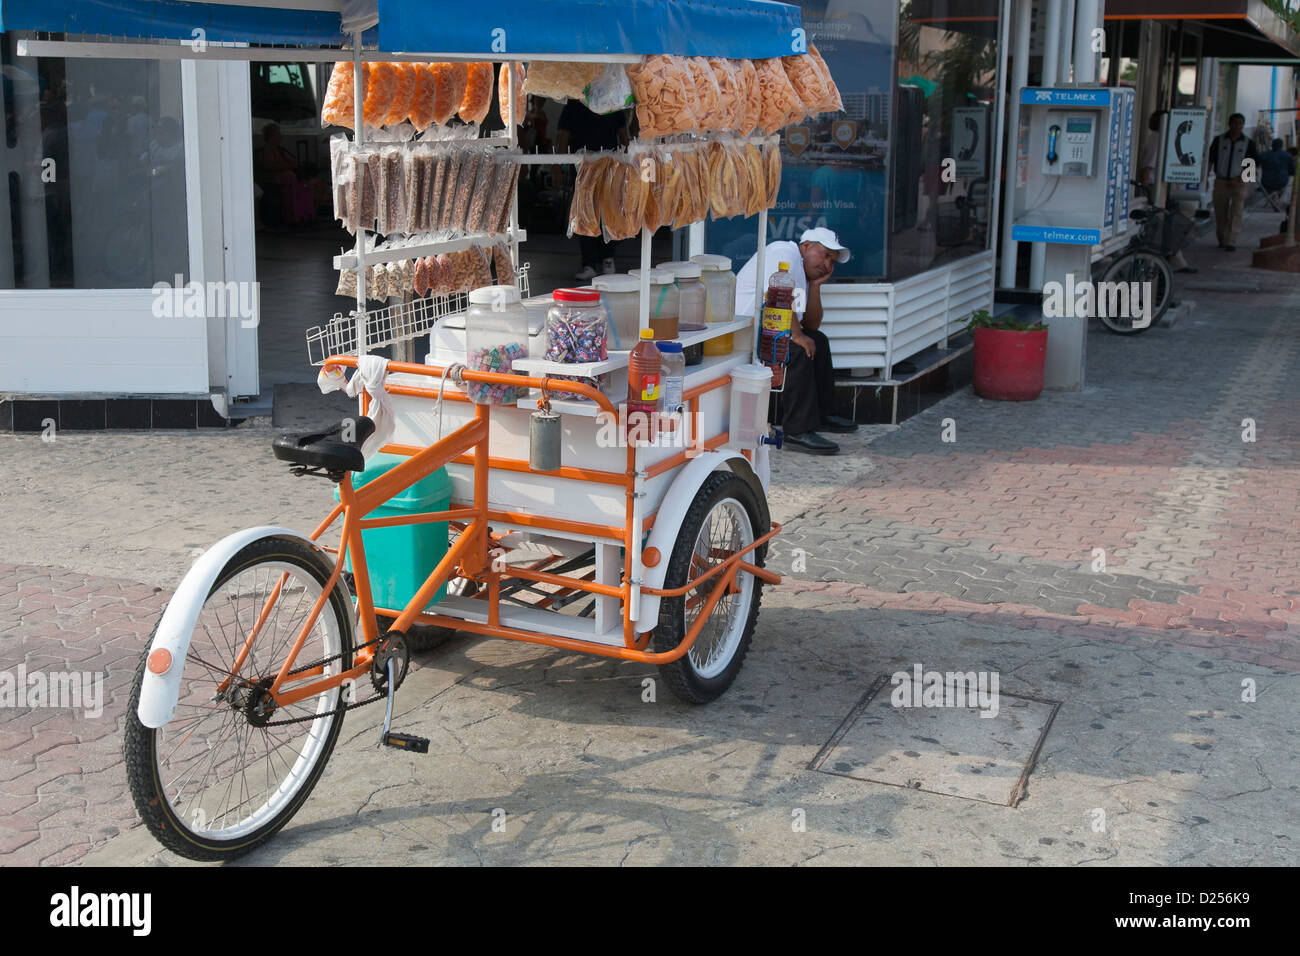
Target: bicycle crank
[392,658]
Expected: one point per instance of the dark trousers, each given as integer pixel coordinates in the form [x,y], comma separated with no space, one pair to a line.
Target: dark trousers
[809,394]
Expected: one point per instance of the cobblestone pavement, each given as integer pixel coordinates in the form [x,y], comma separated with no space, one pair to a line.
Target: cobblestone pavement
[984,552]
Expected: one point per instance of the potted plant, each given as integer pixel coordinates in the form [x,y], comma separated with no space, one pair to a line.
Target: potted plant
[1009,357]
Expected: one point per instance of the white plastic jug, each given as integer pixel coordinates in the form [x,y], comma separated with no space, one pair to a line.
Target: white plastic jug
[750,387]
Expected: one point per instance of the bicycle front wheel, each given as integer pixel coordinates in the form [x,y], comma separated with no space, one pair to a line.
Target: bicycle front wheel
[1147,272]
[231,768]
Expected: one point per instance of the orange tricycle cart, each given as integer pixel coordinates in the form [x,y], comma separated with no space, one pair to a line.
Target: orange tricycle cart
[645,545]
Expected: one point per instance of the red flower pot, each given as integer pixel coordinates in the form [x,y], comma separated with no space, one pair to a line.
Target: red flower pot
[1009,364]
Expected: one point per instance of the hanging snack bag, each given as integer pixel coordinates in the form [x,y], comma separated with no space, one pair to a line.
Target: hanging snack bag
[423,97]
[450,80]
[381,87]
[510,95]
[729,93]
[441,271]
[560,81]
[465,181]
[583,219]
[806,79]
[722,180]
[394,274]
[480,198]
[339,108]
[450,180]
[772,167]
[609,91]
[664,88]
[403,93]
[377,285]
[636,191]
[421,278]
[441,171]
[505,270]
[755,178]
[780,102]
[477,100]
[751,97]
[392,191]
[707,94]
[480,263]
[833,103]
[649,163]
[504,197]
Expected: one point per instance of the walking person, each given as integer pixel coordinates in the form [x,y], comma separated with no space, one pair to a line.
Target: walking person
[1228,155]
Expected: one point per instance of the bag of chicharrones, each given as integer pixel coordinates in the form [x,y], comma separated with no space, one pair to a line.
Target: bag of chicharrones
[665,91]
[708,115]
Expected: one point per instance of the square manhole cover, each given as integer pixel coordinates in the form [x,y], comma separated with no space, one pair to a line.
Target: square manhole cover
[949,750]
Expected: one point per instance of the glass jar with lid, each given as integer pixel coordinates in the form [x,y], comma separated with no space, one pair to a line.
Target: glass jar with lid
[720,302]
[496,334]
[577,330]
[663,303]
[621,297]
[691,294]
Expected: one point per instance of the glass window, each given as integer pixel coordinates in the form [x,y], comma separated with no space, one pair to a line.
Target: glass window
[836,165]
[944,129]
[96,173]
[918,82]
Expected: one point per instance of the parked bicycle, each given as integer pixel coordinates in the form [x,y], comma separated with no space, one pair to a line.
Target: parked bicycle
[1145,260]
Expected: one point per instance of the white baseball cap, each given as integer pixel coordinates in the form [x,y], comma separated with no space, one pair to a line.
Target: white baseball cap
[828,239]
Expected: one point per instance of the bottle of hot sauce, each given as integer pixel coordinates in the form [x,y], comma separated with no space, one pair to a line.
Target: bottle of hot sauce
[644,373]
[778,318]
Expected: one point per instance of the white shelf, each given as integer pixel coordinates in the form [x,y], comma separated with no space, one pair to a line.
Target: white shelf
[348,260]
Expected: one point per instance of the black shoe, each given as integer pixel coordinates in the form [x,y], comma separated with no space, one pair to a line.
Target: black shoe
[1230,248]
[812,443]
[1189,269]
[833,423]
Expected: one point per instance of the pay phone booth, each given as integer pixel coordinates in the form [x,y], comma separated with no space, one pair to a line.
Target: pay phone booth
[1071,191]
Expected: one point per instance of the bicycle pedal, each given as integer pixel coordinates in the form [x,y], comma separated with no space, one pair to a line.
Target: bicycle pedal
[419,745]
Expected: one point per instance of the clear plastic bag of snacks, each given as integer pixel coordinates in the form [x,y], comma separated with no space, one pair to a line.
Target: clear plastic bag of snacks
[833,103]
[424,97]
[505,197]
[403,93]
[754,177]
[511,94]
[480,199]
[450,80]
[583,218]
[476,102]
[609,91]
[347,283]
[729,101]
[772,167]
[560,81]
[751,97]
[707,94]
[806,79]
[779,99]
[441,273]
[664,88]
[501,264]
[339,107]
[723,181]
[420,278]
[392,191]
[381,87]
[466,180]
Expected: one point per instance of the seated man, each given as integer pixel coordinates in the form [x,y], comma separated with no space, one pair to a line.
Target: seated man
[1276,167]
[808,398]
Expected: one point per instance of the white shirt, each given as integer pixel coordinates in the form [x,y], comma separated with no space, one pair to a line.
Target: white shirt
[777,252]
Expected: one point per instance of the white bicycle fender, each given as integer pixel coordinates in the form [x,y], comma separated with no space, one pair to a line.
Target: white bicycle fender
[159,692]
[681,493]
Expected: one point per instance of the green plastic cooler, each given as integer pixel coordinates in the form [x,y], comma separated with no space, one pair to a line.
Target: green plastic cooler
[402,557]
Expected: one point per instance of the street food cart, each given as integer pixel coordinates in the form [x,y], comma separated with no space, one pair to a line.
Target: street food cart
[637,546]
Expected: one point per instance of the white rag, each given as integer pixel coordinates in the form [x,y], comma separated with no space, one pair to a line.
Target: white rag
[371,373]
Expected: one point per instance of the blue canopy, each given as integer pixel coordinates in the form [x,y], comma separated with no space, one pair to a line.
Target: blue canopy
[493,28]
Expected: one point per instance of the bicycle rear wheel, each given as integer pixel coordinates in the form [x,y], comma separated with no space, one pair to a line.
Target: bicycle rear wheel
[1155,279]
[226,773]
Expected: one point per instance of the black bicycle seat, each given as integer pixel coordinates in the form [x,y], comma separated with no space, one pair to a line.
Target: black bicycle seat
[327,449]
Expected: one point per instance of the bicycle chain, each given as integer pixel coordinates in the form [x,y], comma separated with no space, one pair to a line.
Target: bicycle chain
[339,710]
